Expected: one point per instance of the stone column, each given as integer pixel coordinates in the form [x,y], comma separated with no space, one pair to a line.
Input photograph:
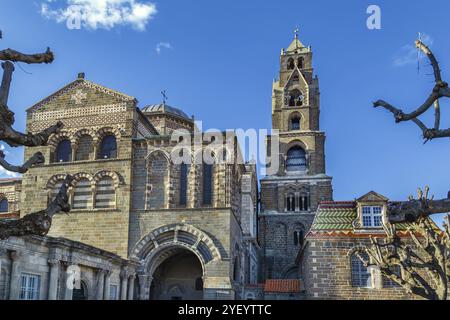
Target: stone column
[107,285]
[144,293]
[70,278]
[124,282]
[131,287]
[14,282]
[101,284]
[54,276]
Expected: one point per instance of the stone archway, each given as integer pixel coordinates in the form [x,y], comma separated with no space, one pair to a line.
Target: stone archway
[175,260]
[179,276]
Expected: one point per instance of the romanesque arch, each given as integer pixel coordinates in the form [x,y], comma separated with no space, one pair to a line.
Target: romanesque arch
[183,242]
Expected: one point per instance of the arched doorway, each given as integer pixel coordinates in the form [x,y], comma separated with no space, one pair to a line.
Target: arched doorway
[80,293]
[179,276]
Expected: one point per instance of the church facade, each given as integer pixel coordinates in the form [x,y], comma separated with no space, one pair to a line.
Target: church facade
[143,226]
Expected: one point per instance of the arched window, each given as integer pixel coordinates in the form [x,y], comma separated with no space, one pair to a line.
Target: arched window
[55,190]
[361,276]
[183,183]
[80,293]
[199,284]
[301,63]
[290,64]
[290,202]
[4,207]
[303,202]
[298,238]
[295,123]
[105,193]
[295,98]
[207,184]
[108,148]
[82,194]
[84,148]
[63,151]
[296,159]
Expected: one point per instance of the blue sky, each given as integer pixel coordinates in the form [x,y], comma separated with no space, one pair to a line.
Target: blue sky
[217,60]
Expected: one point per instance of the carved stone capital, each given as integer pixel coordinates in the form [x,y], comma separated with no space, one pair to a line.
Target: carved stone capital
[54,262]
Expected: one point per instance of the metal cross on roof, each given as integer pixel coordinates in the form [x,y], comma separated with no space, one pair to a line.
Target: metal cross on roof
[165,98]
[296,31]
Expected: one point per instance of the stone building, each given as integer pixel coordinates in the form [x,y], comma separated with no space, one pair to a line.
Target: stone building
[45,268]
[331,268]
[290,196]
[162,211]
[10,191]
[129,197]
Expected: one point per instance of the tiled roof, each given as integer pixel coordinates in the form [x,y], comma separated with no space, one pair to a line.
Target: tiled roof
[164,108]
[336,218]
[282,286]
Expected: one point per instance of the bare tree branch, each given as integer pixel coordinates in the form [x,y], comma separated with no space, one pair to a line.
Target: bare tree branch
[15,56]
[440,90]
[412,210]
[38,223]
[37,158]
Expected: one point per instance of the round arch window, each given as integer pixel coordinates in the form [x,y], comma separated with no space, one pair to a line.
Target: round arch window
[296,159]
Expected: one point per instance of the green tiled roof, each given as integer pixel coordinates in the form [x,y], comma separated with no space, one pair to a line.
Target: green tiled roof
[336,217]
[339,216]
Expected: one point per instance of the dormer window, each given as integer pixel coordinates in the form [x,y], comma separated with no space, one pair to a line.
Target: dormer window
[372,216]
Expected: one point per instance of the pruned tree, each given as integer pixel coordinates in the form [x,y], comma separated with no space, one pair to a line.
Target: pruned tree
[37,223]
[423,260]
[421,266]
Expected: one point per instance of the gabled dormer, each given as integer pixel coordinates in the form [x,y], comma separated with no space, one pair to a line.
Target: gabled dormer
[371,209]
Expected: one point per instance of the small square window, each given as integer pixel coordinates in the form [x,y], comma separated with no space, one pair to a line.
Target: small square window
[372,216]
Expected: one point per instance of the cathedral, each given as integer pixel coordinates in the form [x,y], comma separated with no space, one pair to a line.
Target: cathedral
[144,227]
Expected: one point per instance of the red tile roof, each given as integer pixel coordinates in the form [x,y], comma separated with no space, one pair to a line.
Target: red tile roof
[282,286]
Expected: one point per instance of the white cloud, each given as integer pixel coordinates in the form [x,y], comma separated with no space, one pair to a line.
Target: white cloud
[105,14]
[162,45]
[3,171]
[409,53]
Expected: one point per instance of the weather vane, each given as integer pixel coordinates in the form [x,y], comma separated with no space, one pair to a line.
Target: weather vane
[165,98]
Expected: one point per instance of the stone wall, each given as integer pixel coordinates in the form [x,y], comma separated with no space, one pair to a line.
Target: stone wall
[54,261]
[327,272]
[10,190]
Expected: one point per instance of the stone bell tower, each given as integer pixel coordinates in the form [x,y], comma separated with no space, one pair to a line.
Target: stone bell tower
[291,194]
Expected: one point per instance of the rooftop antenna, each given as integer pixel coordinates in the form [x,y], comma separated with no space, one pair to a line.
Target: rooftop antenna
[165,98]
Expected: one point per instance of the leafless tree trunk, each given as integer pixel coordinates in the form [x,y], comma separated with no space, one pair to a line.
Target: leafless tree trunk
[37,223]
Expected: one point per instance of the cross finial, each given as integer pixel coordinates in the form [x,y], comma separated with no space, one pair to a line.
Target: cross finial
[163,93]
[296,31]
